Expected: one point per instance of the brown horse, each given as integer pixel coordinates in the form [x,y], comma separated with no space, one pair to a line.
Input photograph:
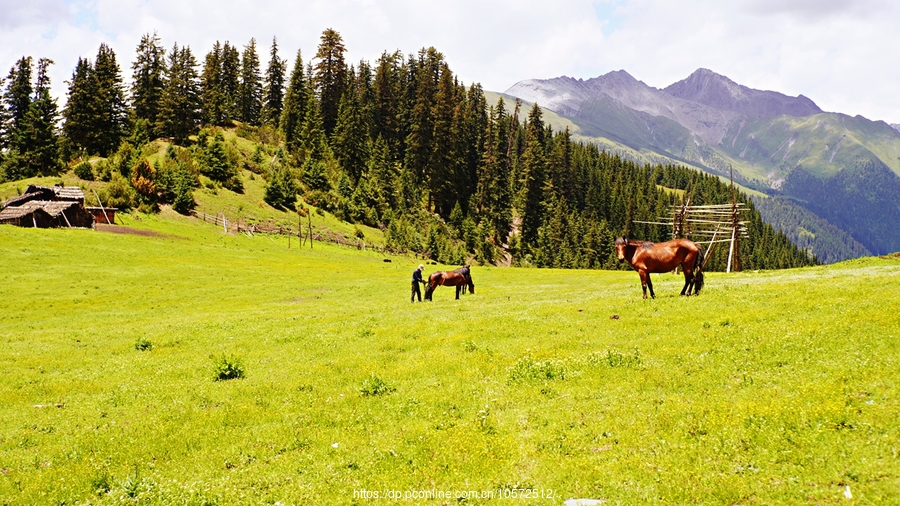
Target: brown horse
[460,278]
[647,257]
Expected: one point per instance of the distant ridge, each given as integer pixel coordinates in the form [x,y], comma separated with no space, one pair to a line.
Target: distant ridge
[776,144]
[706,87]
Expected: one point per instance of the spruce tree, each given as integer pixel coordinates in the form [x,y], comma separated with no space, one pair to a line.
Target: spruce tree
[230,82]
[313,144]
[39,151]
[212,92]
[294,111]
[385,107]
[17,97]
[330,78]
[148,81]
[79,114]
[180,112]
[251,91]
[532,174]
[112,111]
[443,162]
[273,90]
[351,137]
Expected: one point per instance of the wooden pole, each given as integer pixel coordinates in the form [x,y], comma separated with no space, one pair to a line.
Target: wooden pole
[101,207]
[309,217]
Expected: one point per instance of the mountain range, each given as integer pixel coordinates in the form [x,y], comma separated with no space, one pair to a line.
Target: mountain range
[840,173]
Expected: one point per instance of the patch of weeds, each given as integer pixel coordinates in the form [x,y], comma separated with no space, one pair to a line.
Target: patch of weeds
[470,346]
[616,359]
[133,485]
[529,369]
[143,344]
[227,368]
[199,499]
[101,483]
[374,386]
[483,420]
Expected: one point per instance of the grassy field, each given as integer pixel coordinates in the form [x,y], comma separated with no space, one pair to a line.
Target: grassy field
[769,388]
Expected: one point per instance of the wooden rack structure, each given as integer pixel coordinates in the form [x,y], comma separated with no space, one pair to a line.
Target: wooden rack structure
[709,224]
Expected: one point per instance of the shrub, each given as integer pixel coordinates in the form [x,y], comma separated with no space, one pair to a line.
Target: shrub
[616,359]
[228,367]
[143,344]
[529,369]
[373,385]
[85,171]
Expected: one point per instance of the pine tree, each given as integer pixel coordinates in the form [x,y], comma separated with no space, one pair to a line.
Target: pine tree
[273,91]
[385,107]
[180,113]
[330,78]
[230,82]
[42,148]
[79,124]
[493,200]
[532,173]
[111,109]
[148,80]
[313,144]
[443,163]
[251,90]
[282,188]
[351,137]
[294,111]
[215,108]
[16,100]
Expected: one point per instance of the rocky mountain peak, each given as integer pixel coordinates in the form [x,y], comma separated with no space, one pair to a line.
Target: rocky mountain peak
[714,90]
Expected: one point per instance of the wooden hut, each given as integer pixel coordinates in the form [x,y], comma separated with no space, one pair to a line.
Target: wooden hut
[47,207]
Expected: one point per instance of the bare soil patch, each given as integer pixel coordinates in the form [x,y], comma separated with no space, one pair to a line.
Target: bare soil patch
[119,229]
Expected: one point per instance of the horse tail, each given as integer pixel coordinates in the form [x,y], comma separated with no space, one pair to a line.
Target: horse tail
[698,271]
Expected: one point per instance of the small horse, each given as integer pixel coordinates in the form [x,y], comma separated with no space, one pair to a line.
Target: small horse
[646,257]
[460,278]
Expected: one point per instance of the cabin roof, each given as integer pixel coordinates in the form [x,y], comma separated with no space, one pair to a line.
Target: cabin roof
[52,207]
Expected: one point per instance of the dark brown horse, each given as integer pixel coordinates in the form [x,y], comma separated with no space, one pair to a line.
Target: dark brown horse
[647,257]
[460,278]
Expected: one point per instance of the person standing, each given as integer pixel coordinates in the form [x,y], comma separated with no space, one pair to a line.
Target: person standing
[416,279]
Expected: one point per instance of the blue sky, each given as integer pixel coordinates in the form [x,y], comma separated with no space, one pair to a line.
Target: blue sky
[839,53]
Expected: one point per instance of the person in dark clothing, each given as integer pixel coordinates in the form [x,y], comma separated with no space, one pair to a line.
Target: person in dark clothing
[416,279]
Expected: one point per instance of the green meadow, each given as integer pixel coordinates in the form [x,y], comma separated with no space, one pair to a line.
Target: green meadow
[115,352]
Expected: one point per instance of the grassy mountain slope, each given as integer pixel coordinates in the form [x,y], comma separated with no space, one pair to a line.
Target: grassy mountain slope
[635,144]
[764,152]
[111,343]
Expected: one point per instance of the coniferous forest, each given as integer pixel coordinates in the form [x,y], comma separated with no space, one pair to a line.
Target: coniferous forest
[400,144]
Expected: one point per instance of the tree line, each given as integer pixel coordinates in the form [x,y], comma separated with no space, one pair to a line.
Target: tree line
[399,144]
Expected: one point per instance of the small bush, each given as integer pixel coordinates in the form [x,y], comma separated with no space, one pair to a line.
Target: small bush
[616,359]
[85,171]
[529,369]
[228,368]
[373,385]
[143,344]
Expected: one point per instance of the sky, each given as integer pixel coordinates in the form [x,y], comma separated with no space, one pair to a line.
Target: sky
[842,54]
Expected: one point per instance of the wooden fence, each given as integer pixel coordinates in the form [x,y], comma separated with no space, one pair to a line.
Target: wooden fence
[270,227]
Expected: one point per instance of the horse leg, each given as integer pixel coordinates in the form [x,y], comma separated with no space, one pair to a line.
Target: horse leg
[645,280]
[650,286]
[457,291]
[688,281]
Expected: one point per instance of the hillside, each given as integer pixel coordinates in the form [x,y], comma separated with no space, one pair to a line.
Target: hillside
[712,123]
[557,381]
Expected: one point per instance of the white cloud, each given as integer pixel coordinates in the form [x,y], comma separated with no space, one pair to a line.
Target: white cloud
[836,52]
